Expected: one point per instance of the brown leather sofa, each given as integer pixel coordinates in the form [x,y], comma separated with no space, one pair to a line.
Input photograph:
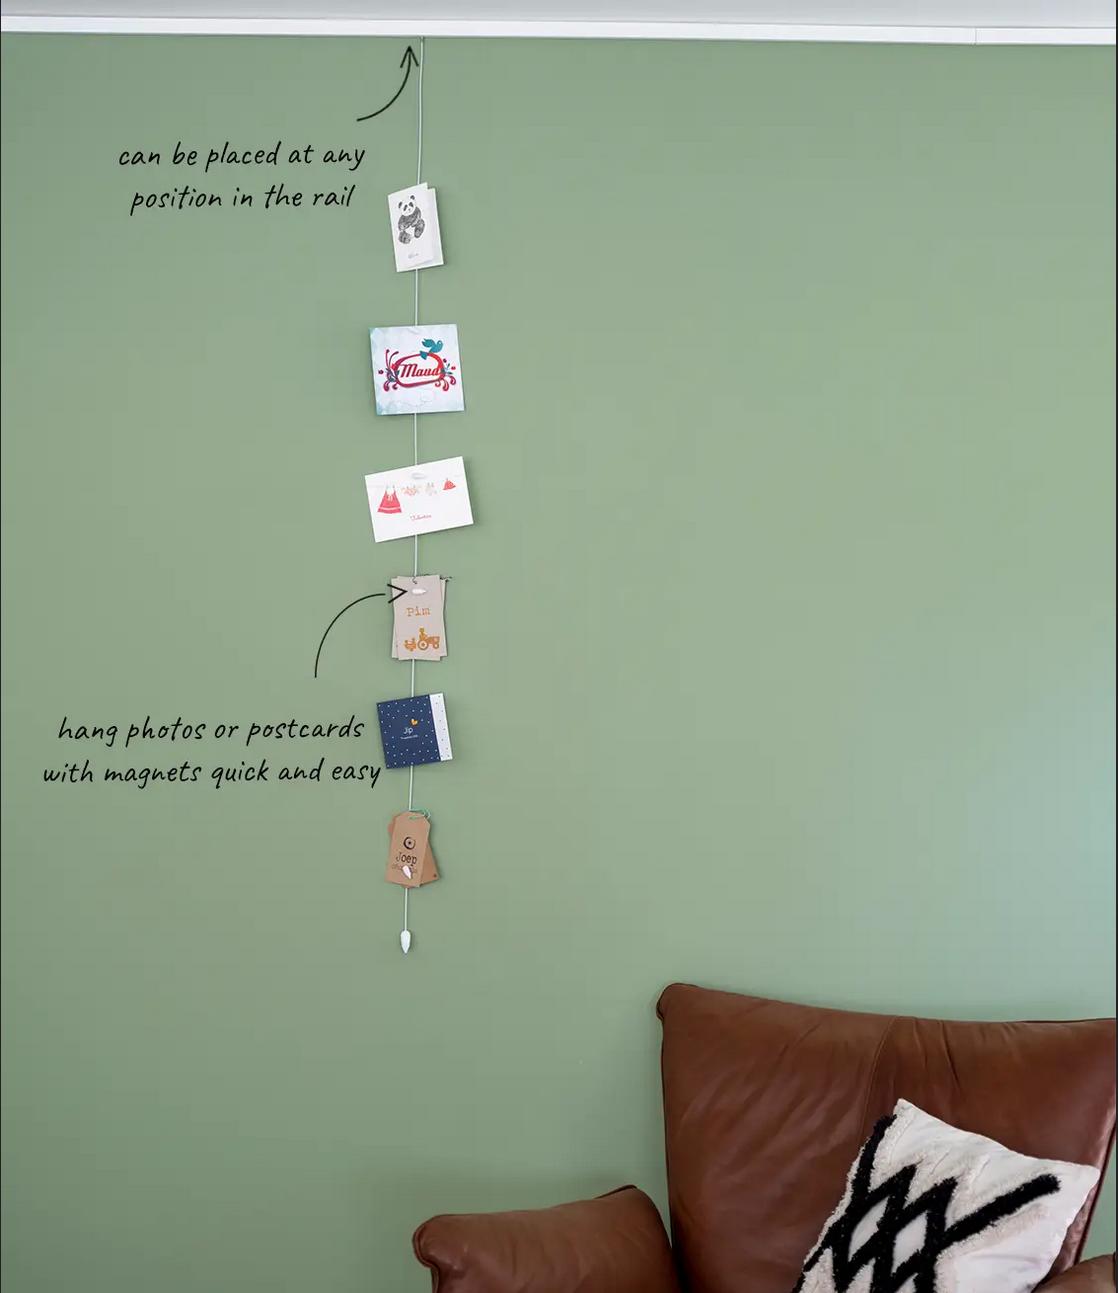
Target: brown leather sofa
[766,1105]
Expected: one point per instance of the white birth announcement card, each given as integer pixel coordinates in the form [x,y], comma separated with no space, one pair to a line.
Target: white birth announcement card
[417,369]
[419,500]
[416,238]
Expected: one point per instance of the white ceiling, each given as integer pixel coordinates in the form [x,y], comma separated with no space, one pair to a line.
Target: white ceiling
[892,14]
[931,13]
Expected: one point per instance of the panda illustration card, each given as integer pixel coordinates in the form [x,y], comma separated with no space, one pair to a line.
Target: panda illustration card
[416,237]
[417,369]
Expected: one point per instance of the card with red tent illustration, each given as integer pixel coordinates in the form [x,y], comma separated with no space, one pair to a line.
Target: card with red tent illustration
[419,500]
[417,369]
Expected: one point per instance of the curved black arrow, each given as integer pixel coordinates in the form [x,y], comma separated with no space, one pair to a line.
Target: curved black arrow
[334,621]
[409,61]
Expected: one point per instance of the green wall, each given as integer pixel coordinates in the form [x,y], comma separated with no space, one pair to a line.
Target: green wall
[780,656]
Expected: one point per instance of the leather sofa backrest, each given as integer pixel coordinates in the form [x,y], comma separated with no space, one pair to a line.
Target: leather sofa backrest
[766,1104]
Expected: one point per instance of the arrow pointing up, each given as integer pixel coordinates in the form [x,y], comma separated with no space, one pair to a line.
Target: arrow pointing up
[407,62]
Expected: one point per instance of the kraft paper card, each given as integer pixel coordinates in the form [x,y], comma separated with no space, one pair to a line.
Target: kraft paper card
[417,369]
[419,500]
[416,238]
[418,629]
[410,859]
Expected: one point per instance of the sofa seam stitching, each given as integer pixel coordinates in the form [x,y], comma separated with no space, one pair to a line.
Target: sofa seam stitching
[864,1130]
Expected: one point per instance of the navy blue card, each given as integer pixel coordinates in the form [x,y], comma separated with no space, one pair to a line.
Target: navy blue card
[414,730]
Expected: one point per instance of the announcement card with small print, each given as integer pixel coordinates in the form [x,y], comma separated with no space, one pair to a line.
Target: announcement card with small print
[414,730]
[417,370]
[418,629]
[419,500]
[416,238]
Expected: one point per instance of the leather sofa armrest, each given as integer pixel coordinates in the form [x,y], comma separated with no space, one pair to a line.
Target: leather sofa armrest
[1096,1276]
[613,1244]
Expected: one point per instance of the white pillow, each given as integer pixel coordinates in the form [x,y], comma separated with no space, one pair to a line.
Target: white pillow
[963,1213]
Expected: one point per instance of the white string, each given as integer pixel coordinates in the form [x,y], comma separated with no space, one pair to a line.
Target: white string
[419,119]
[415,433]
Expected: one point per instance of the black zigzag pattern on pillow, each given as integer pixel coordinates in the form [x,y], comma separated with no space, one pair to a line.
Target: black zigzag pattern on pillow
[878,1252]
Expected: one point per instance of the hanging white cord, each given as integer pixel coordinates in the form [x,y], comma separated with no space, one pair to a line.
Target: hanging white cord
[405,933]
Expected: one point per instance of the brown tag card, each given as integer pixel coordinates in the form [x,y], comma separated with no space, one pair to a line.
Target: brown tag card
[418,631]
[410,860]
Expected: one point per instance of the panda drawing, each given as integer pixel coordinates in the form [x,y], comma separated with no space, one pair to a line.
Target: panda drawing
[409,224]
